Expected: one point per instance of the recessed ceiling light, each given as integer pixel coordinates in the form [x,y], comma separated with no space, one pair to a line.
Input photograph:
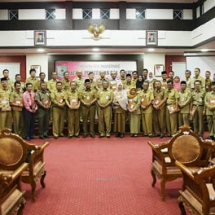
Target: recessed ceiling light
[151,50]
[204,50]
[40,50]
[95,49]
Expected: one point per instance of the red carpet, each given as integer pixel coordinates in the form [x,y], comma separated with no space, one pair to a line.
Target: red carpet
[100,177]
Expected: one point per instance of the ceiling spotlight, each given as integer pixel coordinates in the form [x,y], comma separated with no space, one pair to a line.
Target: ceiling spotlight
[95,49]
[40,50]
[151,50]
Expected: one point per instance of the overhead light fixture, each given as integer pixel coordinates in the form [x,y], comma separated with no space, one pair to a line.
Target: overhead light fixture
[204,50]
[40,50]
[95,49]
[151,49]
[190,54]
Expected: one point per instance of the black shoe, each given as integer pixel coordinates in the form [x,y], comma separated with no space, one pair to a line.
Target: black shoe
[84,135]
[161,136]
[132,135]
[118,135]
[121,135]
[41,137]
[77,136]
[62,135]
[70,137]
[150,136]
[135,135]
[92,135]
[27,138]
[56,137]
[32,137]
[108,136]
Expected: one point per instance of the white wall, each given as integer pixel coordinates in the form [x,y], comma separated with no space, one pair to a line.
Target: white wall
[3,14]
[37,59]
[32,14]
[150,59]
[159,13]
[208,5]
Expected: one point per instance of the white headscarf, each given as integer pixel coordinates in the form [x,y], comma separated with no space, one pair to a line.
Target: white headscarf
[123,101]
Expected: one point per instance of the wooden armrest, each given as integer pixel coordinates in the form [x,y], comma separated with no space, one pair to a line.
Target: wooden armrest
[185,169]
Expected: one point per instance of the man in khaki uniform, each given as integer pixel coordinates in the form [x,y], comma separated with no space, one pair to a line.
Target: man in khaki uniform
[114,80]
[210,111]
[171,108]
[122,76]
[88,100]
[73,103]
[43,99]
[51,85]
[17,109]
[188,79]
[159,110]
[32,79]
[79,81]
[66,82]
[184,105]
[9,81]
[146,99]
[58,103]
[197,108]
[134,78]
[5,109]
[145,74]
[92,82]
[105,98]
[164,80]
[128,83]
[100,80]
[208,81]
[197,77]
[37,85]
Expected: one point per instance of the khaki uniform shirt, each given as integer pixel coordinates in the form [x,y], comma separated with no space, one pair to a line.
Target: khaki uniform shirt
[164,85]
[149,97]
[56,95]
[133,82]
[198,97]
[15,94]
[185,98]
[208,85]
[189,81]
[200,78]
[123,81]
[51,85]
[10,85]
[104,96]
[211,96]
[32,81]
[88,95]
[66,84]
[172,95]
[5,95]
[70,93]
[136,100]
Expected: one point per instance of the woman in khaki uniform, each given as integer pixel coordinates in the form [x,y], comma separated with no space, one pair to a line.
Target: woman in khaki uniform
[134,111]
[120,102]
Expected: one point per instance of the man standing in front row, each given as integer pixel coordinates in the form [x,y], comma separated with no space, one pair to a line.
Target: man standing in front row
[197,109]
[43,100]
[105,98]
[58,103]
[88,100]
[30,108]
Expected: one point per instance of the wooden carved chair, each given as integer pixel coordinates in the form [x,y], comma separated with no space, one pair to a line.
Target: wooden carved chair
[198,193]
[33,156]
[12,164]
[185,147]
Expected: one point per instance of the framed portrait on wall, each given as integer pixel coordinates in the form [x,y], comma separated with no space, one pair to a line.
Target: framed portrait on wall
[39,38]
[37,68]
[158,69]
[151,38]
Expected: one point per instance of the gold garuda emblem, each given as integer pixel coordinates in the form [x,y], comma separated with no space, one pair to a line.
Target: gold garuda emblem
[96,31]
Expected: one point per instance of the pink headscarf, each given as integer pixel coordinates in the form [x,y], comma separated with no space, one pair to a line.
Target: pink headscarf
[177,85]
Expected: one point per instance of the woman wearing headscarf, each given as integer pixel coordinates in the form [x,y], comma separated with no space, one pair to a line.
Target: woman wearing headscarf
[134,111]
[120,102]
[176,83]
[139,83]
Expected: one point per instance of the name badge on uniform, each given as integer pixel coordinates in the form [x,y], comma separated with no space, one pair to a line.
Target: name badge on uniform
[142,99]
[200,99]
[107,97]
[182,99]
[88,97]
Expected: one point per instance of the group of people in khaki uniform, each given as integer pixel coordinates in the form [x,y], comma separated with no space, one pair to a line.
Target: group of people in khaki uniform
[155,105]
